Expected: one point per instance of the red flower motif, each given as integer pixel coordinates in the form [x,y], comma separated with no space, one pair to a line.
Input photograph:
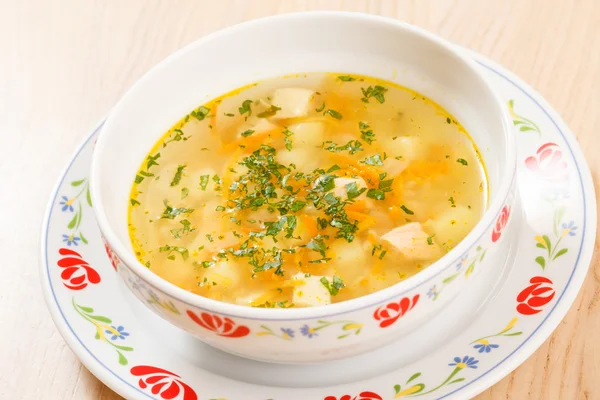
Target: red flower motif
[361,396]
[163,382]
[114,260]
[501,223]
[547,163]
[222,326]
[531,300]
[391,312]
[77,273]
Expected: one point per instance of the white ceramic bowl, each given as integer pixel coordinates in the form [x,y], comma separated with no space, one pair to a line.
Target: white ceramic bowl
[280,45]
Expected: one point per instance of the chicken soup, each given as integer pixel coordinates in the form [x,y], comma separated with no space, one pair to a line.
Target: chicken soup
[305,190]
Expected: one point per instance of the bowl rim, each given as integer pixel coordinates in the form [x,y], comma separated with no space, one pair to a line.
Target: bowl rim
[274,314]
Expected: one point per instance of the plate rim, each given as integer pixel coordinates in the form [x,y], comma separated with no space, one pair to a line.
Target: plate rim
[475,386]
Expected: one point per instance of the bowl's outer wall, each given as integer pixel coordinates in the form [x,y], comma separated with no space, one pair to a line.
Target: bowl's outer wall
[303,43]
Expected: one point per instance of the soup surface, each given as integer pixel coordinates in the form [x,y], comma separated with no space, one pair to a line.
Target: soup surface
[305,190]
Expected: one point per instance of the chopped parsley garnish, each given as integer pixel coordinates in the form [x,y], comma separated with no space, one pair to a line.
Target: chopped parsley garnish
[170,249]
[366,133]
[182,231]
[352,146]
[269,112]
[247,133]
[462,161]
[452,202]
[334,167]
[335,114]
[406,210]
[346,78]
[178,175]
[384,187]
[333,287]
[200,113]
[376,92]
[353,191]
[184,193]
[204,181]
[448,120]
[373,160]
[320,108]
[245,108]
[172,212]
[134,202]
[288,143]
[430,240]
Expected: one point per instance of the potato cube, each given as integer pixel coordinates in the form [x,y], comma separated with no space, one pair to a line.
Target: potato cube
[294,102]
[310,292]
[451,226]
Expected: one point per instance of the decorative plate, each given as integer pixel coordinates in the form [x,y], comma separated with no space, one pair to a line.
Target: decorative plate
[477,340]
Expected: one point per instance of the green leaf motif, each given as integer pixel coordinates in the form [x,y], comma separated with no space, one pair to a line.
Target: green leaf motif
[77,183]
[86,309]
[101,319]
[88,197]
[548,243]
[541,260]
[73,221]
[412,378]
[450,278]
[456,381]
[83,239]
[397,388]
[560,253]
[513,334]
[122,359]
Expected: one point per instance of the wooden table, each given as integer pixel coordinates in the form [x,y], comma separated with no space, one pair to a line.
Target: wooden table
[65,63]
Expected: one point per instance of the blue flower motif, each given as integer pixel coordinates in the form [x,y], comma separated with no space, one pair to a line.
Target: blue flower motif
[287,333]
[67,204]
[463,260]
[308,331]
[569,229]
[485,347]
[432,292]
[117,333]
[69,240]
[466,361]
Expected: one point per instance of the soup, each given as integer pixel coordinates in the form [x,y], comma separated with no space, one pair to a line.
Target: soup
[305,190]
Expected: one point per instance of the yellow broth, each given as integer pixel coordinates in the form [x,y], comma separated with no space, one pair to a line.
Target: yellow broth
[305,190]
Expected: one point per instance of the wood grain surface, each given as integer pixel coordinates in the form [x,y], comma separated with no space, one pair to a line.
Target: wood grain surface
[63,64]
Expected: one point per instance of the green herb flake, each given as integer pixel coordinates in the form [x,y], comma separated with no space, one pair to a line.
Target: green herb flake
[184,193]
[462,161]
[247,133]
[200,113]
[346,78]
[353,191]
[376,92]
[406,210]
[246,107]
[335,114]
[178,175]
[333,287]
[452,202]
[430,240]
[320,108]
[373,160]
[172,212]
[134,202]
[333,168]
[366,133]
[169,249]
[448,120]
[269,112]
[204,181]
